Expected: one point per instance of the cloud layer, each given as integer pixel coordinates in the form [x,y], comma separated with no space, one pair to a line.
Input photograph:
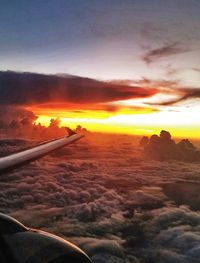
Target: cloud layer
[101,194]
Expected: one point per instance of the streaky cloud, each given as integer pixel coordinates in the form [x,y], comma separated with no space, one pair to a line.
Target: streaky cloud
[167,50]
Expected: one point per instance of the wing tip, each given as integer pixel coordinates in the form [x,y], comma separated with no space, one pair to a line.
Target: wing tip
[70,132]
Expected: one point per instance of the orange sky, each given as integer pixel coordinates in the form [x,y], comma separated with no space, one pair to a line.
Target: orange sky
[133,116]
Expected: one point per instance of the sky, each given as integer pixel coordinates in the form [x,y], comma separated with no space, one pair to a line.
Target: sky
[148,44]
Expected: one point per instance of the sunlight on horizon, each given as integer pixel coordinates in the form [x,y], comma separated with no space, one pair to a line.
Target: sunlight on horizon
[139,124]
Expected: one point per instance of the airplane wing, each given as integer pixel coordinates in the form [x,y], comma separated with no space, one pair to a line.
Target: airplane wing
[18,159]
[40,246]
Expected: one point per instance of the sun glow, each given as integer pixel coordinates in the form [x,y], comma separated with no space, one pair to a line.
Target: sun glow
[139,124]
[133,116]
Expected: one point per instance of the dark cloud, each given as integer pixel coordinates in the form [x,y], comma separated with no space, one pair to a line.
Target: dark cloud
[183,95]
[165,87]
[162,52]
[183,193]
[31,88]
[16,114]
[77,94]
[178,231]
[190,93]
[17,122]
[164,148]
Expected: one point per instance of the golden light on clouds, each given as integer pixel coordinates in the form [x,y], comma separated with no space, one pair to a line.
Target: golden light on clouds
[132,123]
[128,107]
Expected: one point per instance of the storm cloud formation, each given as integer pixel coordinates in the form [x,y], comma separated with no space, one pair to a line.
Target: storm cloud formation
[17,122]
[164,148]
[30,88]
[74,93]
[102,195]
[13,116]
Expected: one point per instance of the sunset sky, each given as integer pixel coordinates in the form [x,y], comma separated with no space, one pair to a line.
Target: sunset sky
[124,66]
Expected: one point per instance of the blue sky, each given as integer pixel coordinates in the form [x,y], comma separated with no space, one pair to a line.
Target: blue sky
[102,39]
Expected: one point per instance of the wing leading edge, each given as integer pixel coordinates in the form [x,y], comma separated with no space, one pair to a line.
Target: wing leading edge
[18,159]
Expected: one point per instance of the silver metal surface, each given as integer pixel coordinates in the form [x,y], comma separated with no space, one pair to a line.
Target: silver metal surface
[16,159]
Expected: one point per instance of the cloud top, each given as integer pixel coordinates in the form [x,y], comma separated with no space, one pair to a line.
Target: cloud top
[162,147]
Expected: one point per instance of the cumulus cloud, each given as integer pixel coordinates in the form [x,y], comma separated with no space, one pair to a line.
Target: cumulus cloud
[17,122]
[178,235]
[107,199]
[100,249]
[164,148]
[167,256]
[13,117]
[184,193]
